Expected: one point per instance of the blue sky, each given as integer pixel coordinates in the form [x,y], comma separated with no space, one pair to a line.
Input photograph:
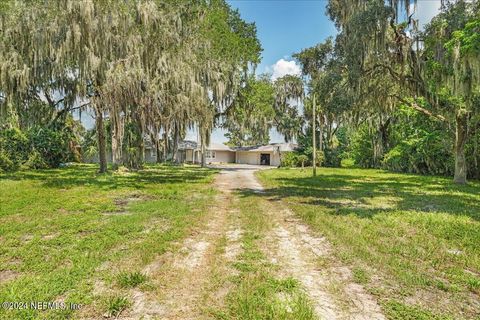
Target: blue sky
[283,27]
[288,26]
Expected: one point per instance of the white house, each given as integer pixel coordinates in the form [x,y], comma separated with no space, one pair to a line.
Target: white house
[269,155]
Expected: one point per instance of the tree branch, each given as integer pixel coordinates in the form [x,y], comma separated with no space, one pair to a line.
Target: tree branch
[415,106]
[49,99]
[64,111]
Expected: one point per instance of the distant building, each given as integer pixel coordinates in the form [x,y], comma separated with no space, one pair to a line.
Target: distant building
[270,155]
[190,152]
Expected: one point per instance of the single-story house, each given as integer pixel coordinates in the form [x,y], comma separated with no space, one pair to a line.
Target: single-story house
[190,152]
[270,155]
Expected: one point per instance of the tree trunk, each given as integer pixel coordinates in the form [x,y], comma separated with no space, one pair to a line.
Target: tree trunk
[474,125]
[176,138]
[159,152]
[203,147]
[3,112]
[314,142]
[165,144]
[203,153]
[141,153]
[102,146]
[117,137]
[320,135]
[139,143]
[460,140]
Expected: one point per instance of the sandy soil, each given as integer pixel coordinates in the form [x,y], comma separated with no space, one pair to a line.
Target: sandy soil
[184,275]
[296,250]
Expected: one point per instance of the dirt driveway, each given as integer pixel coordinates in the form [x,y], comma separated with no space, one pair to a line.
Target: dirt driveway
[296,249]
[238,176]
[186,275]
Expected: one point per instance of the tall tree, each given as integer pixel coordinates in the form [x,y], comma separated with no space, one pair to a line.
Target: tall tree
[376,44]
[155,67]
[262,105]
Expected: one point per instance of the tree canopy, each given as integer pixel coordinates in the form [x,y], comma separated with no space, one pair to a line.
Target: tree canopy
[152,68]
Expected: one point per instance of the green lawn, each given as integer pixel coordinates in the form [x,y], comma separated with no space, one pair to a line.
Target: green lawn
[413,241]
[258,291]
[64,230]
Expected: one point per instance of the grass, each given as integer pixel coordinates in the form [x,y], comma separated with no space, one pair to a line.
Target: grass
[115,305]
[258,292]
[411,240]
[131,279]
[65,230]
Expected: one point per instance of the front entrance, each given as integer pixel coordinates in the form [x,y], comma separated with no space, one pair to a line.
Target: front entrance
[265,159]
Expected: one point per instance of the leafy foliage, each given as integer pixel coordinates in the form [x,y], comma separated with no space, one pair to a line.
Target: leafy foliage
[37,148]
[301,158]
[420,145]
[51,145]
[13,149]
[162,67]
[262,105]
[250,120]
[381,62]
[361,147]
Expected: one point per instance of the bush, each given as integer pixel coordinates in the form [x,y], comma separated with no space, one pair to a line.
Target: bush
[289,159]
[6,164]
[427,154]
[302,160]
[319,158]
[347,163]
[13,149]
[36,161]
[297,159]
[332,157]
[51,145]
[361,148]
[420,145]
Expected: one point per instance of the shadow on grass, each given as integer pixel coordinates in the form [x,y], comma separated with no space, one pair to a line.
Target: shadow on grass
[84,175]
[366,195]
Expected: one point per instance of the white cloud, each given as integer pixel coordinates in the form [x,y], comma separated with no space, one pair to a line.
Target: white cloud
[283,67]
[426,10]
[267,69]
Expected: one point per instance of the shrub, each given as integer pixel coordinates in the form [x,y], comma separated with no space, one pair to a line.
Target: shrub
[427,154]
[289,159]
[13,149]
[297,159]
[320,156]
[332,157]
[36,161]
[347,163]
[361,148]
[51,145]
[302,160]
[6,164]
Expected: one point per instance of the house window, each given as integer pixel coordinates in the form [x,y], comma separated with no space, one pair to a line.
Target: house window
[210,154]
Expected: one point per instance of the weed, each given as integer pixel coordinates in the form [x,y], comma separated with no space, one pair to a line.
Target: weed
[115,305]
[131,279]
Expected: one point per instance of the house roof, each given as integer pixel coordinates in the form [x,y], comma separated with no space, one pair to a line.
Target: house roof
[219,147]
[187,145]
[273,147]
[192,145]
